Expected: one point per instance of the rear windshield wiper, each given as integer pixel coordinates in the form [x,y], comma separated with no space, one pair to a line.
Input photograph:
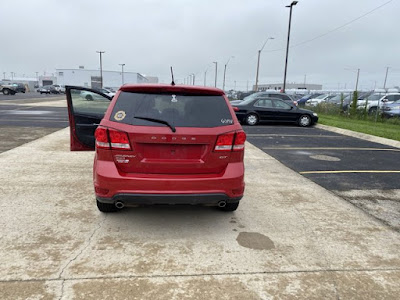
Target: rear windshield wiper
[157,121]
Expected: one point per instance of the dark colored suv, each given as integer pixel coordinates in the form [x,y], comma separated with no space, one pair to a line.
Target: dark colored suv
[160,144]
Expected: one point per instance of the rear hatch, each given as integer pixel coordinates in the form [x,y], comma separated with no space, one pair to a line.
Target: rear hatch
[172,133]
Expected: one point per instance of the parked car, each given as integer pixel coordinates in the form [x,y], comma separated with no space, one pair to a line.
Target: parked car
[254,111]
[59,88]
[319,99]
[377,100]
[47,89]
[259,95]
[391,110]
[160,144]
[302,101]
[19,87]
[88,95]
[7,89]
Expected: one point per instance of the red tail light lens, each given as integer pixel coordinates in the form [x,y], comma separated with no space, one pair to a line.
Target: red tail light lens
[240,139]
[224,142]
[236,108]
[101,138]
[119,139]
[111,138]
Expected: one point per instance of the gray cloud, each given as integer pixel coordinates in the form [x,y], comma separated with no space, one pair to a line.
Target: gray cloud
[150,36]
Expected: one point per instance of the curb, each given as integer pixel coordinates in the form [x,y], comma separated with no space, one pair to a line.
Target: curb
[359,135]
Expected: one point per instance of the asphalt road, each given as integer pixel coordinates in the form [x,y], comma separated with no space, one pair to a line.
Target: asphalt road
[366,174]
[29,95]
[26,119]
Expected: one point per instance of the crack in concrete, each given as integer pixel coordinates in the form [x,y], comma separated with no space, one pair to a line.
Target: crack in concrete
[207,274]
[88,242]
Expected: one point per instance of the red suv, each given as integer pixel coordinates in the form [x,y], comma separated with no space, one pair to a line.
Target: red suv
[160,144]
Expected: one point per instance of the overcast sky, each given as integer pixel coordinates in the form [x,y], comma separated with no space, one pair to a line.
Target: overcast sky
[149,36]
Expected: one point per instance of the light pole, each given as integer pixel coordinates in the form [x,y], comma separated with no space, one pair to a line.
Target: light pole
[193,77]
[287,45]
[258,62]
[223,84]
[4,75]
[12,75]
[122,66]
[216,71]
[384,84]
[101,68]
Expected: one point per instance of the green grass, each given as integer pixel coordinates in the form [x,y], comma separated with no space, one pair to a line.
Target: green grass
[388,129]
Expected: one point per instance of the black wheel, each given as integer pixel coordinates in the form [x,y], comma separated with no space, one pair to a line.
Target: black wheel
[230,207]
[6,92]
[106,207]
[372,110]
[304,120]
[89,98]
[251,119]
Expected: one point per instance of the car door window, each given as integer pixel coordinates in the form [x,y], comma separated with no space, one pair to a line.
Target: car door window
[264,103]
[281,105]
[89,103]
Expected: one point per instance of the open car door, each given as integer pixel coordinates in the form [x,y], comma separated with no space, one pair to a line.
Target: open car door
[86,108]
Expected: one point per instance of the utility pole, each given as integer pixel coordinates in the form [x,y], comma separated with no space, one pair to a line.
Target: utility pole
[12,75]
[287,45]
[358,75]
[193,78]
[387,71]
[305,79]
[122,65]
[101,68]
[205,77]
[223,84]
[235,86]
[216,71]
[258,61]
[4,75]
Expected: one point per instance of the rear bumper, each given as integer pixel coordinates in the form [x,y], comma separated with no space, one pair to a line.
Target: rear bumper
[151,199]
[112,185]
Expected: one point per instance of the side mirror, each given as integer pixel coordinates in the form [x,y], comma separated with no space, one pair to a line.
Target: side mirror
[385,100]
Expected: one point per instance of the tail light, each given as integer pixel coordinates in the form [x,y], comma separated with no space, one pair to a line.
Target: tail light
[224,142]
[240,139]
[235,108]
[107,138]
[119,139]
[101,138]
[231,141]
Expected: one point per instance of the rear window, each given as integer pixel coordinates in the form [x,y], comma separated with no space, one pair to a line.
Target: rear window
[177,110]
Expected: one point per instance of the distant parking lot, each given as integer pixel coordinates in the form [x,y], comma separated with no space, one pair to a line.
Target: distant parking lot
[29,95]
[365,173]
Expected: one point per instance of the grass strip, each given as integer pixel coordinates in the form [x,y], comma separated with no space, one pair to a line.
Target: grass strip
[386,130]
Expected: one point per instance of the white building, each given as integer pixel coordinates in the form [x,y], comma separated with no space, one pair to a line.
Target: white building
[279,86]
[92,79]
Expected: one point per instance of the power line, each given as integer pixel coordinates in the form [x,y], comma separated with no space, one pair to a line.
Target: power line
[337,28]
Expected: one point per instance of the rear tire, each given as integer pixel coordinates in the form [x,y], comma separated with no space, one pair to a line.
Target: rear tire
[106,207]
[372,110]
[304,120]
[6,91]
[230,207]
[251,119]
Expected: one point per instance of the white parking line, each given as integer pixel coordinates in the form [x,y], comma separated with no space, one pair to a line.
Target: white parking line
[292,135]
[331,148]
[348,171]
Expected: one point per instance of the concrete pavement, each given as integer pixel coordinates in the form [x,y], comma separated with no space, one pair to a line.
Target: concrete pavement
[289,239]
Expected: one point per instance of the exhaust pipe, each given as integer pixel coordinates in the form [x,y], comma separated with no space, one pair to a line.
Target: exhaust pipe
[119,204]
[221,203]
